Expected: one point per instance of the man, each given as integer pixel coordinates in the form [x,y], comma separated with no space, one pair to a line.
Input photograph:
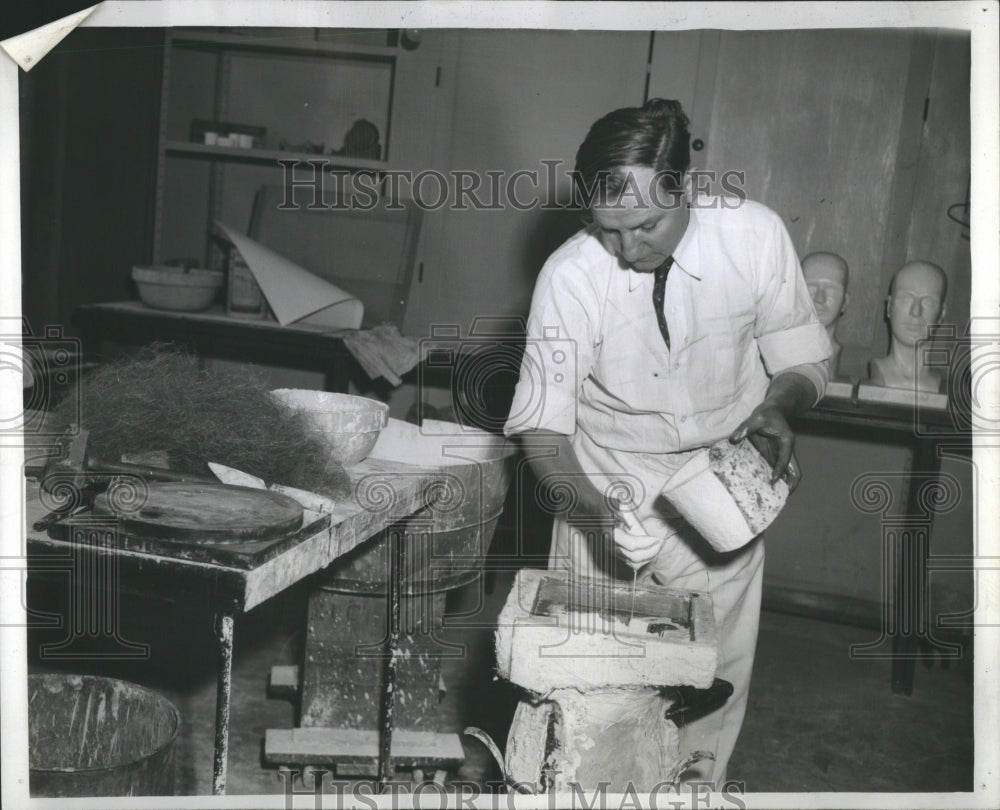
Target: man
[915,303]
[689,322]
[826,278]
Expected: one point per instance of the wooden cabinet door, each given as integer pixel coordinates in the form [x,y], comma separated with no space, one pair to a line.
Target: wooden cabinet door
[520,97]
[88,145]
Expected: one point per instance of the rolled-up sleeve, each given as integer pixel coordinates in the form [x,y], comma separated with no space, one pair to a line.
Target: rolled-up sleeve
[787,330]
[558,350]
[797,346]
[817,373]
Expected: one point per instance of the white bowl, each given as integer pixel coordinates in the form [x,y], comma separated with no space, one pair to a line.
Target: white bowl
[350,424]
[163,287]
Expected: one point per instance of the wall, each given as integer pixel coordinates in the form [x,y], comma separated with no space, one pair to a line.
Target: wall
[838,146]
[813,121]
[520,97]
[825,125]
[942,176]
[516,98]
[89,117]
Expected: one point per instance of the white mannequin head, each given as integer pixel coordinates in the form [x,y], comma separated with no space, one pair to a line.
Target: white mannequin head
[826,278]
[916,301]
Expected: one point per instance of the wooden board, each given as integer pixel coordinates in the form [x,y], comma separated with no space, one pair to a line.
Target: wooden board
[249,572]
[214,512]
[669,610]
[104,532]
[316,746]
[344,667]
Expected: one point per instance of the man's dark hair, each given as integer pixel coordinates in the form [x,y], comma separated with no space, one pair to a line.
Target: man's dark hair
[655,135]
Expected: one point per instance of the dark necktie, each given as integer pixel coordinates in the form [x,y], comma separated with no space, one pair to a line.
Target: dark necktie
[659,286]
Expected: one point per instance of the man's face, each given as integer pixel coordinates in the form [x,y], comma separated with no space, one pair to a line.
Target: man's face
[915,303]
[826,279]
[644,224]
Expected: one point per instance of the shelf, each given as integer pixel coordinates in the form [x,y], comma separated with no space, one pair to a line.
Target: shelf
[212,333]
[296,47]
[291,81]
[231,153]
[897,396]
[908,418]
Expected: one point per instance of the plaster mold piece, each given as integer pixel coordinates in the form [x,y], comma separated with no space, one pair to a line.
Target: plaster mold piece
[557,633]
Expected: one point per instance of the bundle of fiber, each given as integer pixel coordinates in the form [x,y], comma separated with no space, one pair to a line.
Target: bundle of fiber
[161,401]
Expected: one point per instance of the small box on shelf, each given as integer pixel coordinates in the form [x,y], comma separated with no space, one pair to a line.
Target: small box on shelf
[224,133]
[840,389]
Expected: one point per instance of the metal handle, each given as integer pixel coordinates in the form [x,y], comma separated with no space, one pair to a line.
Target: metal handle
[691,703]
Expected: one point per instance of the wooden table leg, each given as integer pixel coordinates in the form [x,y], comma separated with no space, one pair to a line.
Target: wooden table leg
[912,619]
[906,612]
[909,604]
[224,634]
[396,560]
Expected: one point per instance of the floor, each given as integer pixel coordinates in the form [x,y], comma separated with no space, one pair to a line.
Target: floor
[818,720]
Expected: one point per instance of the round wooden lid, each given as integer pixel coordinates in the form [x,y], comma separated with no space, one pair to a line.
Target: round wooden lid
[215,512]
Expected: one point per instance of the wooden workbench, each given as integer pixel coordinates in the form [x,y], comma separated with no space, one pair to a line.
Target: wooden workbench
[384,493]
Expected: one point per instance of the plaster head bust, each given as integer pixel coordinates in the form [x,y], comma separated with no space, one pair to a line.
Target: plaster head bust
[916,302]
[826,278]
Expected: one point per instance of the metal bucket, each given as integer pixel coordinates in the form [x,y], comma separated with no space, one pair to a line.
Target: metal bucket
[447,542]
[92,736]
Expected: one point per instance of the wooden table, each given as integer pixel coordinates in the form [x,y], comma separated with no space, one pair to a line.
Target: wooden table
[212,333]
[904,623]
[235,578]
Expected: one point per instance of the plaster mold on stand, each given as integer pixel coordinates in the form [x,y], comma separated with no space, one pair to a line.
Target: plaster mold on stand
[565,739]
[595,661]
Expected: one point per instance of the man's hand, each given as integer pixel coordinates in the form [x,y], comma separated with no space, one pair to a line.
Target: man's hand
[767,427]
[768,431]
[637,549]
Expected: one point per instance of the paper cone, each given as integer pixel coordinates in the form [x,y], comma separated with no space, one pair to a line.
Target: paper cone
[293,293]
